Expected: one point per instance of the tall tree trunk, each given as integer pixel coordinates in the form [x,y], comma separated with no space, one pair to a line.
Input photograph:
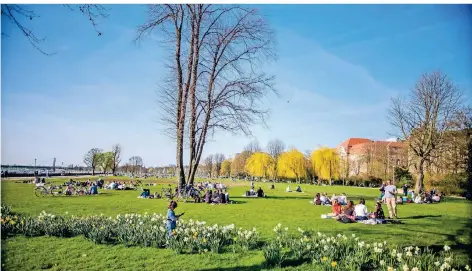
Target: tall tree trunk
[469,158]
[420,178]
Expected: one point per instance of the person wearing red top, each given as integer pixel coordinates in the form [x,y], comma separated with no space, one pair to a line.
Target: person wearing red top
[336,207]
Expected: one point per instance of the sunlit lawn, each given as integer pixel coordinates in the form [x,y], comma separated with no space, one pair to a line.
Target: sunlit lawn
[448,222]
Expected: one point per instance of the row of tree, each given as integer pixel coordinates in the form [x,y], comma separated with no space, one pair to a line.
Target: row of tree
[97,159]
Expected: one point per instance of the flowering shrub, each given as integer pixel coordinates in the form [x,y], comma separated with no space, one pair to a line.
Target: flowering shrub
[341,252]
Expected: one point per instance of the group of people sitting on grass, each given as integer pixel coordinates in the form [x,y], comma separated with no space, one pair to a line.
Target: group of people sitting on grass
[323,199]
[217,197]
[146,194]
[92,188]
[299,189]
[259,193]
[210,185]
[350,213]
[410,197]
[114,185]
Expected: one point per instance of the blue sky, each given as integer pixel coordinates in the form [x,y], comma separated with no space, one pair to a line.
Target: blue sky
[338,66]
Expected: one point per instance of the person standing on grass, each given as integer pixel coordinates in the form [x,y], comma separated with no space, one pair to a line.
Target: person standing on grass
[171,217]
[391,199]
[405,190]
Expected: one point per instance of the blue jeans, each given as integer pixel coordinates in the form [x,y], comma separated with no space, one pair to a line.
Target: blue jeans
[361,218]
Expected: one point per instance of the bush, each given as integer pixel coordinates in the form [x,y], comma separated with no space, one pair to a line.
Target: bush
[451,184]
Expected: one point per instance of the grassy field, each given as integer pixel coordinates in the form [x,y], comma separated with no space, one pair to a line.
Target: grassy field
[449,222]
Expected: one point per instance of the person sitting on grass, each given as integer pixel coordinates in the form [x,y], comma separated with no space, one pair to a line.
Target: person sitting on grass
[342,199]
[260,193]
[221,197]
[333,197]
[379,213]
[336,208]
[208,196]
[145,194]
[94,189]
[324,199]
[317,200]
[299,189]
[347,215]
[288,189]
[226,196]
[272,186]
[360,210]
[418,199]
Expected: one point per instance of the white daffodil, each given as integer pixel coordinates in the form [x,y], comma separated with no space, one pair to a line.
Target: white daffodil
[405,268]
[382,262]
[447,248]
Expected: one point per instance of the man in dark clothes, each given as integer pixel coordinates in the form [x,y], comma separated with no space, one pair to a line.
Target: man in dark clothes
[260,193]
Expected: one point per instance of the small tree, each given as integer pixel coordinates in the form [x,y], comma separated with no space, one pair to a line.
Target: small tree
[116,157]
[425,116]
[218,159]
[275,148]
[136,163]
[292,164]
[92,158]
[208,164]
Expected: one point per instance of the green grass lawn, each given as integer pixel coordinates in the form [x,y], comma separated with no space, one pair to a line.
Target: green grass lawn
[448,222]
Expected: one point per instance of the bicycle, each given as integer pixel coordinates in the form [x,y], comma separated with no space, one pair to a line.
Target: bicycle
[42,190]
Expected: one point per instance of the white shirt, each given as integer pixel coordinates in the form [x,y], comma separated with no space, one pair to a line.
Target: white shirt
[342,199]
[322,198]
[360,210]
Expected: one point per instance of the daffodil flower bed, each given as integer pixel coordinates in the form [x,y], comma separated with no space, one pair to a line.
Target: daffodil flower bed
[133,230]
[340,252]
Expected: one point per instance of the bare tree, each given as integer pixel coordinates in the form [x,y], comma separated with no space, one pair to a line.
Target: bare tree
[92,158]
[136,163]
[218,159]
[275,148]
[19,14]
[116,157]
[208,161]
[253,146]
[216,69]
[425,117]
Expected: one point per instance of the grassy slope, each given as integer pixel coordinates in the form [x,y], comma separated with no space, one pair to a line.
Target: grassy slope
[425,225]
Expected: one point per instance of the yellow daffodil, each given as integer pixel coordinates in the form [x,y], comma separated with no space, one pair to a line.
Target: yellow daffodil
[333,264]
[204,240]
[324,259]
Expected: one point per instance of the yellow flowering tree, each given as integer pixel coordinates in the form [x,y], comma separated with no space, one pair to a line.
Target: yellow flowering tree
[260,164]
[226,168]
[239,163]
[325,163]
[292,164]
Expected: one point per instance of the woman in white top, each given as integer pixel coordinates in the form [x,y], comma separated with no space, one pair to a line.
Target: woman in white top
[333,198]
[323,198]
[360,210]
[288,189]
[342,199]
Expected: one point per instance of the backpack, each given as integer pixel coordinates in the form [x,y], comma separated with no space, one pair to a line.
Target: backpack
[344,219]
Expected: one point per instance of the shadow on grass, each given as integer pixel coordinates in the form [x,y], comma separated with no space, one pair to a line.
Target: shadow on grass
[237,268]
[420,216]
